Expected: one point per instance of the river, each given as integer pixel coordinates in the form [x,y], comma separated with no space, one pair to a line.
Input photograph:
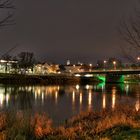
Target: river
[62,102]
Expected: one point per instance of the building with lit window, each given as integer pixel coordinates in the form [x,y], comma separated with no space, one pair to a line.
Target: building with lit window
[6,66]
[45,68]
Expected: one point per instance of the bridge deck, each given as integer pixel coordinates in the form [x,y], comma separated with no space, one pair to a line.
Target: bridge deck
[115,72]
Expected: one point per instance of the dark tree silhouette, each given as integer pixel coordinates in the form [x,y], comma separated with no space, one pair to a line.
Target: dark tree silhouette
[129,30]
[6,7]
[26,60]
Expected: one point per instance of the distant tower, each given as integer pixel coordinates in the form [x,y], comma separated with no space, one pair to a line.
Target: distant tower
[68,62]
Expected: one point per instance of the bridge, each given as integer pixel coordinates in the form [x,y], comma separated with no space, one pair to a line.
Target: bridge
[110,76]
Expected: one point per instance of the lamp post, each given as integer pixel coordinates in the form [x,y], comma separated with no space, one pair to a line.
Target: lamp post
[114,63]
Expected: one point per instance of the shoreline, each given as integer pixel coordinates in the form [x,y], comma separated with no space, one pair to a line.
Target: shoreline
[45,79]
[53,79]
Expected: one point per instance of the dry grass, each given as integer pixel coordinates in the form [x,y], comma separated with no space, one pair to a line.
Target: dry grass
[86,126]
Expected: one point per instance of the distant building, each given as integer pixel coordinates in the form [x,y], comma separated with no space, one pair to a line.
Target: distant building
[6,66]
[111,63]
[72,68]
[45,68]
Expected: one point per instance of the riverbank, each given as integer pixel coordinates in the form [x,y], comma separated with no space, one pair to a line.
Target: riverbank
[51,79]
[118,124]
[132,79]
[55,79]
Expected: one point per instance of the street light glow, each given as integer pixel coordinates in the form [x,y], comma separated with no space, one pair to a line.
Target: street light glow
[90,65]
[114,62]
[138,58]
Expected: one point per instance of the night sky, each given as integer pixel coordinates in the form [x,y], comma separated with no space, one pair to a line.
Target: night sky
[57,30]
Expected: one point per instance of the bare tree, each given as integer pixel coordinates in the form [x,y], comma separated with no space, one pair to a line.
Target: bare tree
[26,60]
[7,7]
[129,30]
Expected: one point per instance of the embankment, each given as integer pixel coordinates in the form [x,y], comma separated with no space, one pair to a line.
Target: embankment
[44,79]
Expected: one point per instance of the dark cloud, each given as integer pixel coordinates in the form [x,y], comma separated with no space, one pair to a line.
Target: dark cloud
[56,30]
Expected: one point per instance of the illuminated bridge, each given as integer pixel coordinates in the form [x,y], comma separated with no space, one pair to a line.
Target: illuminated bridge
[109,76]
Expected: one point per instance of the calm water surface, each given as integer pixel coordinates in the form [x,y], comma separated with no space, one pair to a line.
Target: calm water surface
[62,102]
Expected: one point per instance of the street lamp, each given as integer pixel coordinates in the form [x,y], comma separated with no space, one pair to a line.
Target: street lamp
[138,58]
[90,67]
[105,64]
[114,63]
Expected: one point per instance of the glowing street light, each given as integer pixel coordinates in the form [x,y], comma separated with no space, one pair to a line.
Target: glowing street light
[138,58]
[90,66]
[105,64]
[114,63]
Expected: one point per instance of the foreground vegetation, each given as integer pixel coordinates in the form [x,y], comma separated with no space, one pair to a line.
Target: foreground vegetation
[121,123]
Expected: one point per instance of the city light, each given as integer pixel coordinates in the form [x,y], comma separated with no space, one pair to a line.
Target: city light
[89,75]
[114,63]
[138,58]
[77,87]
[77,75]
[87,87]
[105,64]
[90,65]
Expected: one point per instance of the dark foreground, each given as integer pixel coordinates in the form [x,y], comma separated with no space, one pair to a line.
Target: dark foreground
[118,124]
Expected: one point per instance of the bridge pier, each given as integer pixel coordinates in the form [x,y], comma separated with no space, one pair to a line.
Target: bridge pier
[114,78]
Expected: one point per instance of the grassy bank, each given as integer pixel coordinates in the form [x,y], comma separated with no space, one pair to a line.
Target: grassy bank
[50,79]
[118,124]
[54,79]
[37,79]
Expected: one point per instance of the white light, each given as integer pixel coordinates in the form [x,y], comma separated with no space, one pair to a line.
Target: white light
[114,62]
[77,75]
[3,61]
[87,87]
[88,75]
[138,58]
[77,87]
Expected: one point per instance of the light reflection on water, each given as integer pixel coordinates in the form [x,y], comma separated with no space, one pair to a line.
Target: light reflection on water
[62,102]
